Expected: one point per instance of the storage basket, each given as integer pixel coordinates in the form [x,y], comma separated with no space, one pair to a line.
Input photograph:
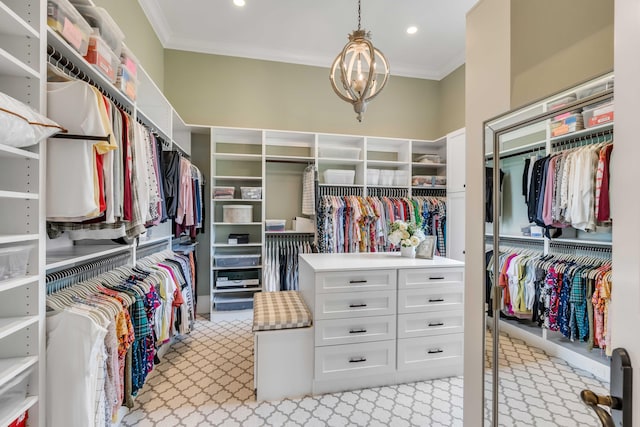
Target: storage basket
[237,214]
[275,224]
[251,193]
[339,177]
[242,260]
[13,261]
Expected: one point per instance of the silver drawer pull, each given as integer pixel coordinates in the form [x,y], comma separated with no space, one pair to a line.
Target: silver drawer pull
[436,324]
[358,331]
[436,278]
[353,282]
[357,305]
[435,351]
[436,299]
[358,360]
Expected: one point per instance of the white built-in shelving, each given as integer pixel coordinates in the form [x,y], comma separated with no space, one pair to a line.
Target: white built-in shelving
[22,316]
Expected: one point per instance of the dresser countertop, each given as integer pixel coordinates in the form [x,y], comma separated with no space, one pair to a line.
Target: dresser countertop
[373,261]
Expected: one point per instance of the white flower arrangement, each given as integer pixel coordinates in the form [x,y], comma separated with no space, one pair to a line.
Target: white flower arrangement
[405,234]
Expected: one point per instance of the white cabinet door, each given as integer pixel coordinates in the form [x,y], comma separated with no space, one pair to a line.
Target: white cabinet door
[455,225]
[456,161]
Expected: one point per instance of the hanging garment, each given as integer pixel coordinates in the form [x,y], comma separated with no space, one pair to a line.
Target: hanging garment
[308,191]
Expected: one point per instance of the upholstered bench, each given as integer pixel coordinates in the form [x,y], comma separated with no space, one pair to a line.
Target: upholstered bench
[283,345]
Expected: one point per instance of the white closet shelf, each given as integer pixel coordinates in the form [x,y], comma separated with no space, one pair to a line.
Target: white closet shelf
[143,243]
[10,65]
[275,233]
[336,161]
[236,290]
[256,267]
[237,200]
[237,223]
[428,165]
[64,257]
[56,41]
[517,237]
[584,132]
[386,163]
[238,156]
[431,187]
[17,238]
[584,242]
[238,178]
[10,413]
[342,185]
[387,186]
[10,325]
[12,24]
[13,152]
[301,159]
[18,195]
[13,366]
[6,285]
[239,245]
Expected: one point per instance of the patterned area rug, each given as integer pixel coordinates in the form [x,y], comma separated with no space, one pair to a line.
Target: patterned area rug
[206,379]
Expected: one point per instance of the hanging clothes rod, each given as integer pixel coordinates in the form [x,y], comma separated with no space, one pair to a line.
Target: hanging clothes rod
[66,66]
[81,137]
[67,277]
[584,138]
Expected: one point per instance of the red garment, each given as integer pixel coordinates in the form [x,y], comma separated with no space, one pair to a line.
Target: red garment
[99,165]
[604,208]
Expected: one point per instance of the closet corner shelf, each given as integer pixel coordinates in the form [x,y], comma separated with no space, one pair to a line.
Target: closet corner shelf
[56,42]
[10,325]
[238,178]
[336,161]
[236,290]
[237,200]
[238,156]
[14,25]
[583,132]
[17,238]
[13,152]
[13,366]
[12,66]
[63,257]
[238,268]
[11,413]
[6,285]
[18,195]
[239,245]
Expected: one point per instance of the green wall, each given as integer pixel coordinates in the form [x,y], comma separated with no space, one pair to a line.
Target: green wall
[139,35]
[451,105]
[556,44]
[238,92]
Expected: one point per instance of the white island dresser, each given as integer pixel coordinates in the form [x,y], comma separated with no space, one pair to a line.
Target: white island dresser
[381,319]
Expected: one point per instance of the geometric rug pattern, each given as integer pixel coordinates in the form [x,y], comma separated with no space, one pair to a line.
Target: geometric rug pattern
[206,379]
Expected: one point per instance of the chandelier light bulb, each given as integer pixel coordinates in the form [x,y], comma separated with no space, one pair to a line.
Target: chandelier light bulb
[239,3]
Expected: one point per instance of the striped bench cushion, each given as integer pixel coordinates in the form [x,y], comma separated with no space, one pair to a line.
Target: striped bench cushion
[279,310]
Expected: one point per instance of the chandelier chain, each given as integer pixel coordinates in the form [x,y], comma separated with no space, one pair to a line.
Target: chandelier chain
[358,15]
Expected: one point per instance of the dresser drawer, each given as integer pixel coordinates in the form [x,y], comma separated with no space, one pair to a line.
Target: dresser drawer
[430,323]
[354,281]
[355,304]
[419,278]
[351,331]
[431,298]
[355,360]
[430,352]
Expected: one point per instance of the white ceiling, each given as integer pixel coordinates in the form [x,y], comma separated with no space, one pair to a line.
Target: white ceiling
[313,32]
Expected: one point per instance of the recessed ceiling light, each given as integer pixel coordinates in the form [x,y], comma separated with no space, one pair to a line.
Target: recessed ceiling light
[239,3]
[412,29]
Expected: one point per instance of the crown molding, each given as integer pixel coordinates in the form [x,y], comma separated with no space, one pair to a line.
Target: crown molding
[157,20]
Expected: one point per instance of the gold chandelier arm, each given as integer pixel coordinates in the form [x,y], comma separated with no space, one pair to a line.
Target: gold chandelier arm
[343,71]
[384,80]
[333,82]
